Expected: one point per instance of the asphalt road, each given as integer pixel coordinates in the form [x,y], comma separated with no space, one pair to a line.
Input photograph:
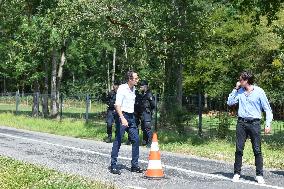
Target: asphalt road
[91,159]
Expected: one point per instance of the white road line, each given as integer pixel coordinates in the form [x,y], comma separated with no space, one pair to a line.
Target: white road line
[134,187]
[142,161]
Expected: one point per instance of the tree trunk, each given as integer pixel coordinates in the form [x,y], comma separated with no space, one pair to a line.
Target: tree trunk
[23,90]
[35,107]
[73,79]
[206,101]
[4,87]
[60,69]
[125,50]
[113,66]
[44,98]
[108,72]
[173,82]
[54,109]
[172,105]
[56,77]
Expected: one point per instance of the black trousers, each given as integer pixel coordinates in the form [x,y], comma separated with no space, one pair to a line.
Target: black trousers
[146,126]
[252,129]
[110,119]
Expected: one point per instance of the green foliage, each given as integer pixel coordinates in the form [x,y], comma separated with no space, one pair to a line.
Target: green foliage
[224,125]
[259,8]
[233,45]
[174,117]
[201,45]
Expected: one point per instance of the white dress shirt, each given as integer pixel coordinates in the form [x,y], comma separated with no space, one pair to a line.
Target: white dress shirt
[125,98]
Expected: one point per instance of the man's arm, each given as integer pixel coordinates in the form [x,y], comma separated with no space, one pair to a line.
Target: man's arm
[233,96]
[268,112]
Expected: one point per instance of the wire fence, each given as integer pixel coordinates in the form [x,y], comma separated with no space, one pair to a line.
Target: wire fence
[212,116]
[198,114]
[74,107]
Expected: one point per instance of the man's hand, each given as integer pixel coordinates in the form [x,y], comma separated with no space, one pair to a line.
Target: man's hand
[238,85]
[121,117]
[267,130]
[124,121]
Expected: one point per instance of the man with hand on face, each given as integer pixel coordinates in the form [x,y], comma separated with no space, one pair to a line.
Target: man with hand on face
[252,101]
[124,106]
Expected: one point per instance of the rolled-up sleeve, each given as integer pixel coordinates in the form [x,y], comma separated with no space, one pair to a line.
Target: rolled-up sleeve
[233,98]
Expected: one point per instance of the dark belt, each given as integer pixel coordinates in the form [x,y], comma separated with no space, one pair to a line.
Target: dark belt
[130,114]
[248,120]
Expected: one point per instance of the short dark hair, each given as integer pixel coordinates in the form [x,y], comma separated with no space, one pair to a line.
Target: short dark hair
[143,82]
[129,75]
[248,76]
[116,82]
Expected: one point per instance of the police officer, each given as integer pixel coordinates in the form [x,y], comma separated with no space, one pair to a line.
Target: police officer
[138,108]
[110,117]
[147,107]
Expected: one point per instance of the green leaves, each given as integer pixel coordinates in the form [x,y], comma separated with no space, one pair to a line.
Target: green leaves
[209,42]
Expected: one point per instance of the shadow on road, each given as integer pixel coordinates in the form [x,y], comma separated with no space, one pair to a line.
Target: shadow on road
[230,176]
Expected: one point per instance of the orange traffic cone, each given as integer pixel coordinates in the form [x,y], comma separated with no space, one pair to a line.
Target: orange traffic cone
[154,170]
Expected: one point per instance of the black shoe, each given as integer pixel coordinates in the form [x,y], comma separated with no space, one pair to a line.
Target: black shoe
[115,171]
[108,140]
[137,169]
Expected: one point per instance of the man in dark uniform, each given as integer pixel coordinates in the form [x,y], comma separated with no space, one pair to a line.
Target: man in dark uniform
[110,116]
[147,107]
[138,108]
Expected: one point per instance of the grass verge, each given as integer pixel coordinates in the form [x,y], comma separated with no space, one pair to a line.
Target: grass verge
[15,174]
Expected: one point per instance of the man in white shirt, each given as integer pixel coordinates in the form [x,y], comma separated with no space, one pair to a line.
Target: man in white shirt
[124,106]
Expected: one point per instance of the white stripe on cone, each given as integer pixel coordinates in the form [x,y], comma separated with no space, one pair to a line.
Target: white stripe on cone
[154,164]
[154,146]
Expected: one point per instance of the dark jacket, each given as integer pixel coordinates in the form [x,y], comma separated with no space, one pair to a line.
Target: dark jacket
[148,102]
[138,107]
[111,97]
